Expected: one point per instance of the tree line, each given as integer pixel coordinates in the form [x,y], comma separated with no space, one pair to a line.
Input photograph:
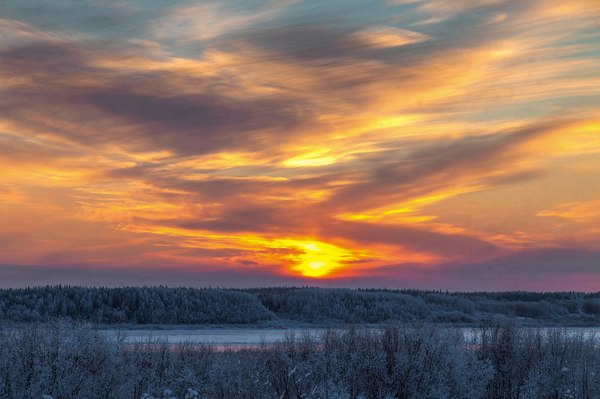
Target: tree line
[165,305]
[139,305]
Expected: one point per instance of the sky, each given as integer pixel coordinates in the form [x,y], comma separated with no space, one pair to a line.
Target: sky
[402,144]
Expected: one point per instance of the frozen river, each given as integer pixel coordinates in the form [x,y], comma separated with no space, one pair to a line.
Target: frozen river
[212,336]
[250,336]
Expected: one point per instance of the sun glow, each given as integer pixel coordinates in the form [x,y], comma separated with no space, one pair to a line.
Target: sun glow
[318,259]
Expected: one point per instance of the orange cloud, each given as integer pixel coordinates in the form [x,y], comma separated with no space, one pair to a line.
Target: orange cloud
[579,211]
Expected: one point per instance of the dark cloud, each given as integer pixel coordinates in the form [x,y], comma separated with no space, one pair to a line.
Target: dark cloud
[199,123]
[131,172]
[248,219]
[233,217]
[307,221]
[328,36]
[434,167]
[542,270]
[231,190]
[223,189]
[308,42]
[411,238]
[559,269]
[539,270]
[46,58]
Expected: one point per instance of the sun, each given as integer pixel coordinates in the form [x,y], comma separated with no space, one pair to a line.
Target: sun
[318,259]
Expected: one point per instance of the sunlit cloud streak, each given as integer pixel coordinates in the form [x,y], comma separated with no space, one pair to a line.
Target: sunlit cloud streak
[409,143]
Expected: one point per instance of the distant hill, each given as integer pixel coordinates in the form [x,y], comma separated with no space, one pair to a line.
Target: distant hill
[164,305]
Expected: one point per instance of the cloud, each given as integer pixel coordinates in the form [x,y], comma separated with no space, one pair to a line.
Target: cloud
[197,124]
[555,269]
[578,211]
[271,219]
[204,22]
[186,123]
[535,270]
[434,166]
[442,246]
[386,37]
[542,270]
[43,58]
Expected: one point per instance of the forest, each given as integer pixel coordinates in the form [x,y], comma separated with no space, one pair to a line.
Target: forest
[499,361]
[293,305]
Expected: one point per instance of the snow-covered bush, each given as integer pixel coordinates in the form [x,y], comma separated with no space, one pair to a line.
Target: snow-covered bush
[418,362]
[191,393]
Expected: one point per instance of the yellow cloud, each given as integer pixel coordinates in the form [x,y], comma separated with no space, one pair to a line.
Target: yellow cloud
[578,211]
[387,36]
